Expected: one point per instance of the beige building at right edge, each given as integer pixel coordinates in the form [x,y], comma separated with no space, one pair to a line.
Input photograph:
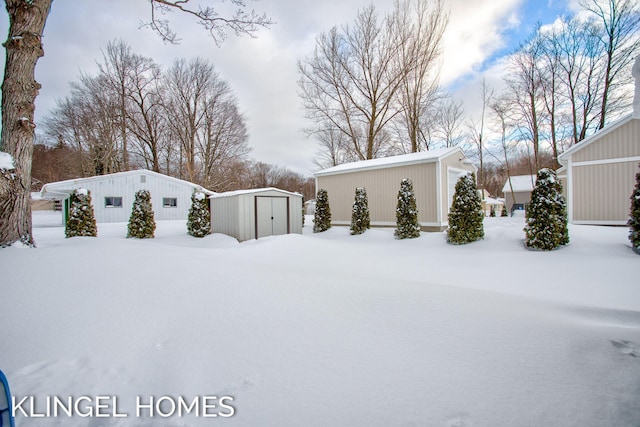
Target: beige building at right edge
[599,174]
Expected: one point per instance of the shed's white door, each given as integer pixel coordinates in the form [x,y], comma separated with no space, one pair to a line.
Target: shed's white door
[271,215]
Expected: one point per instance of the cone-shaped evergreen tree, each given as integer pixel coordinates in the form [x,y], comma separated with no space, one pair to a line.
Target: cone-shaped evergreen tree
[504,211]
[407,225]
[634,216]
[546,216]
[466,215]
[360,219]
[81,220]
[142,223]
[322,216]
[199,219]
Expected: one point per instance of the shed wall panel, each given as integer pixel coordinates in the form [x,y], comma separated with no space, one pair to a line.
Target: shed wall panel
[601,192]
[621,142]
[225,216]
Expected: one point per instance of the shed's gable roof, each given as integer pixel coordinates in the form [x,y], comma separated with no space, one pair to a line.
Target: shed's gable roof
[253,191]
[72,184]
[564,157]
[519,183]
[393,161]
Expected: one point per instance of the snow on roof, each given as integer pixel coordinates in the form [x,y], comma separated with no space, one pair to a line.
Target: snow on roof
[71,184]
[386,162]
[492,201]
[520,183]
[564,157]
[253,191]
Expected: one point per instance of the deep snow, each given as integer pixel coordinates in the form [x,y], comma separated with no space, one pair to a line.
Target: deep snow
[329,329]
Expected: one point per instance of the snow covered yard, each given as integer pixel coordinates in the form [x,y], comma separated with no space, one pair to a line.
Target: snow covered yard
[329,329]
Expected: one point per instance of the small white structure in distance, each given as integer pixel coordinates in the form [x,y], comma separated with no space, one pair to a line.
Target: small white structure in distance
[261,212]
[112,195]
[517,192]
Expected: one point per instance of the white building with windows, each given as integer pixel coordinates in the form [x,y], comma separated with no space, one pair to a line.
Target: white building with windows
[112,195]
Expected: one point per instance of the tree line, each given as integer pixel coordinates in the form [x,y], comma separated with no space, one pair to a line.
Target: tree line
[24,47]
[183,122]
[371,88]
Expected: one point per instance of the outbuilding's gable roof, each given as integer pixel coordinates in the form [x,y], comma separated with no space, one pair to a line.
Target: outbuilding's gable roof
[564,157]
[519,183]
[253,191]
[72,184]
[393,161]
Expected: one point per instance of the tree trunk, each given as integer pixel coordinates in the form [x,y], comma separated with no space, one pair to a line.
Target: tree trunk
[19,90]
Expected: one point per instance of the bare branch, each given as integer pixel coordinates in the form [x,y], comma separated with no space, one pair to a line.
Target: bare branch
[240,22]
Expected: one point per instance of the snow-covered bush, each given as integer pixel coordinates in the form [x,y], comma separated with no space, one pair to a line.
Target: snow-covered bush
[407,225]
[81,220]
[634,216]
[199,219]
[322,215]
[492,213]
[142,223]
[504,211]
[466,215]
[546,216]
[360,219]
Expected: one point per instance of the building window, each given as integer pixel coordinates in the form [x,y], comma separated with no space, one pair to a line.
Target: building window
[113,202]
[143,179]
[169,202]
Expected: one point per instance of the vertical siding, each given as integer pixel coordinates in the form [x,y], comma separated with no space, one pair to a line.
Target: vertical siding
[126,187]
[382,187]
[601,192]
[295,214]
[247,217]
[623,141]
[225,216]
[517,197]
[235,215]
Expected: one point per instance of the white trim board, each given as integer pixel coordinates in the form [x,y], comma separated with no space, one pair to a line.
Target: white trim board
[606,161]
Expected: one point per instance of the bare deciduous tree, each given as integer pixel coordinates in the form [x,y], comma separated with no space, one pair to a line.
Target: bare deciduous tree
[204,119]
[363,77]
[447,122]
[19,90]
[619,22]
[420,28]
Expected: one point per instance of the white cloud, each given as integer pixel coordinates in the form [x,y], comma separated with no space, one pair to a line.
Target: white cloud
[474,33]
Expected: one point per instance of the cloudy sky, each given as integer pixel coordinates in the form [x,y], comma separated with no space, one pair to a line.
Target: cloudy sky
[262,70]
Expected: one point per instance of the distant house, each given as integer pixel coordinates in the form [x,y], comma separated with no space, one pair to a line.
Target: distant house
[261,212]
[310,207]
[599,173]
[489,203]
[434,175]
[517,192]
[112,195]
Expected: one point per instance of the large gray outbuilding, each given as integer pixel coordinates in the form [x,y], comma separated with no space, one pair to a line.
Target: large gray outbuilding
[599,173]
[434,175]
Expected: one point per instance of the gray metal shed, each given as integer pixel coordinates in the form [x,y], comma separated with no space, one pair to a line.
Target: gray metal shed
[261,212]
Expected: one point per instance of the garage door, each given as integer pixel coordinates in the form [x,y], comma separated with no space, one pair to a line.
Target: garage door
[272,216]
